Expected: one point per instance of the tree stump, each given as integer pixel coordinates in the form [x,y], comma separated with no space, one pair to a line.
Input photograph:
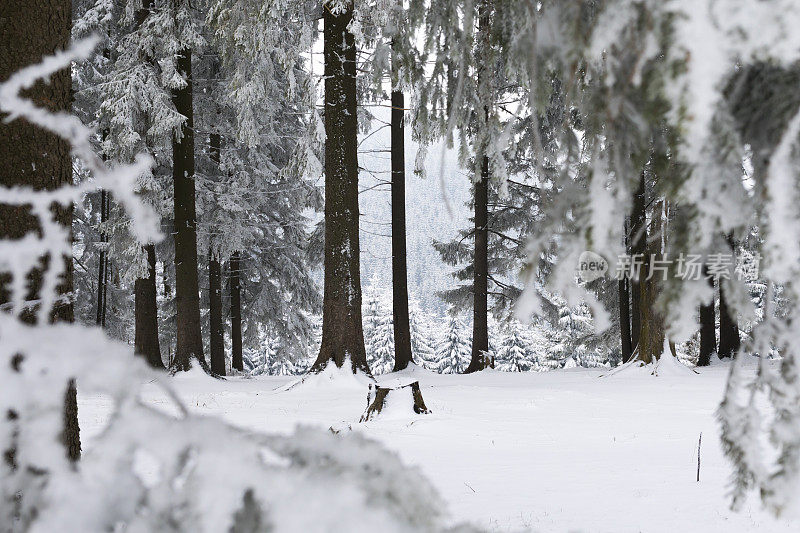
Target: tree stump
[378,399]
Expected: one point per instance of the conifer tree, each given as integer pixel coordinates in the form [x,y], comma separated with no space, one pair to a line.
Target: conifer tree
[342,333]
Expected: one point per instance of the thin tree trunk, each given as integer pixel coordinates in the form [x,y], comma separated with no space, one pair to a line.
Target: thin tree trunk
[234,285]
[638,247]
[342,330]
[708,329]
[623,292]
[625,320]
[216,326]
[102,276]
[33,157]
[217,341]
[189,343]
[729,341]
[402,329]
[146,341]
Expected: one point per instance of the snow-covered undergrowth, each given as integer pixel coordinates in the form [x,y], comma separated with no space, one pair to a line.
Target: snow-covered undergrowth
[155,467]
[556,451]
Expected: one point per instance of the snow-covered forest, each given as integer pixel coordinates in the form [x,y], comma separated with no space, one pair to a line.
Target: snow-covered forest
[554,244]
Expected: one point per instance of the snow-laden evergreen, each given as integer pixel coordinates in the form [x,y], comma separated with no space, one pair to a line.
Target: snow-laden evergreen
[453,348]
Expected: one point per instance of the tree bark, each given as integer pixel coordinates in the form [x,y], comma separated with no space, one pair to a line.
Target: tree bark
[342,331]
[234,286]
[729,341]
[102,269]
[402,329]
[625,320]
[189,343]
[146,343]
[651,334]
[480,284]
[216,327]
[637,246]
[33,157]
[217,341]
[708,329]
[480,309]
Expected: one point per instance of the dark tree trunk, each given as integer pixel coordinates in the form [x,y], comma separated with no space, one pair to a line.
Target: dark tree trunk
[342,332]
[102,269]
[402,329]
[623,291]
[638,246]
[480,318]
[729,340]
[651,334]
[234,285]
[146,341]
[625,320]
[33,157]
[708,329]
[216,327]
[480,284]
[189,343]
[217,341]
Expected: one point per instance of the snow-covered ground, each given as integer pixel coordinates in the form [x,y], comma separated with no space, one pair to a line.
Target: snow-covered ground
[567,450]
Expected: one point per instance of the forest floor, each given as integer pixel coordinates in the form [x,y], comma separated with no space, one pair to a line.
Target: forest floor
[566,450]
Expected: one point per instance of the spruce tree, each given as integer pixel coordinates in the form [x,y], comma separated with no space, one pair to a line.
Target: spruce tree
[342,333]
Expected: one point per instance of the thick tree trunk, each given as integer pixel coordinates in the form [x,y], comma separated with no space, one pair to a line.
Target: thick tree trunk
[480,318]
[102,269]
[217,341]
[637,247]
[33,157]
[708,329]
[187,297]
[234,286]
[402,329]
[146,341]
[342,332]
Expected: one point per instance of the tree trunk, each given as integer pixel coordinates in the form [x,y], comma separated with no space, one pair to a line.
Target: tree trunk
[342,332]
[651,334]
[480,318]
[216,327]
[637,239]
[234,286]
[708,329]
[217,341]
[402,329]
[625,320]
[33,157]
[102,271]
[480,286]
[729,341]
[146,341]
[187,297]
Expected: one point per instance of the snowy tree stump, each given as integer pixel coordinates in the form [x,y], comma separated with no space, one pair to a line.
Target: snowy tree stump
[378,398]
